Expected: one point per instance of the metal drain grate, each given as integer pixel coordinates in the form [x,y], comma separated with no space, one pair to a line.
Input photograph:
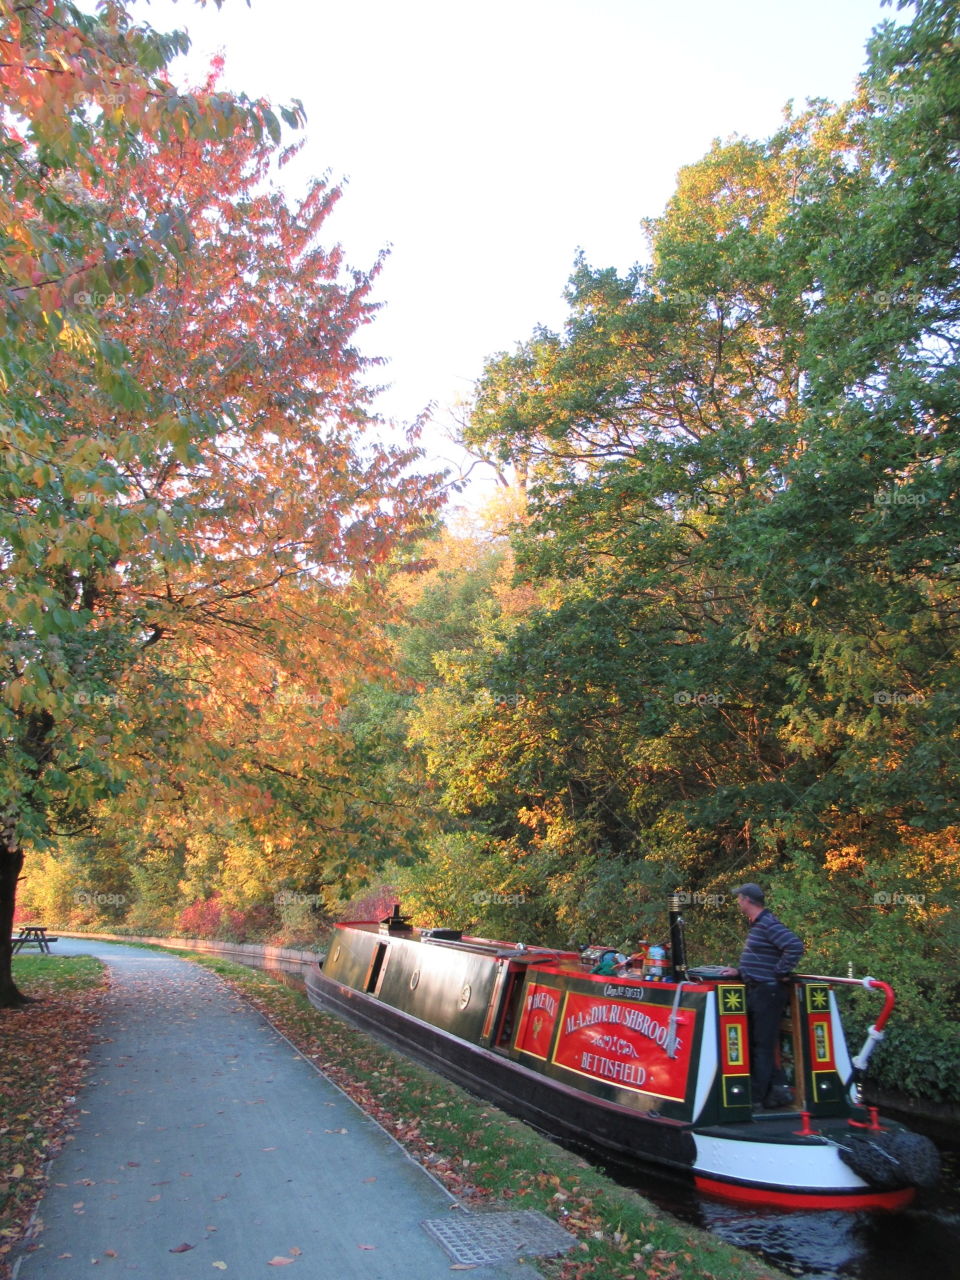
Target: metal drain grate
[481,1238]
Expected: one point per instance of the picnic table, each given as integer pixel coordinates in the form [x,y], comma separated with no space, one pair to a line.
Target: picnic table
[33,933]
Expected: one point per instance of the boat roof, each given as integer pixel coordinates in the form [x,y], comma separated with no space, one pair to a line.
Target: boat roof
[547,959]
[465,942]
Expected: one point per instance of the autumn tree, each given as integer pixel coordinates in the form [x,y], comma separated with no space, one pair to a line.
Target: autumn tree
[195,531]
[69,82]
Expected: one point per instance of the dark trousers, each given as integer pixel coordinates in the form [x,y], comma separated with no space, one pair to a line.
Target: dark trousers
[766,1002]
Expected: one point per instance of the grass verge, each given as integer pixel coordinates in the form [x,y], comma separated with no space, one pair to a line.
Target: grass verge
[485,1156]
[43,1057]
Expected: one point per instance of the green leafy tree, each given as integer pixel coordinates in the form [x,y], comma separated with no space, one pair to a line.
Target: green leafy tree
[742,461]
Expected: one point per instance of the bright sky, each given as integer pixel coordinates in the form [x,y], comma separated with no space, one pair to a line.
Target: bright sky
[486,143]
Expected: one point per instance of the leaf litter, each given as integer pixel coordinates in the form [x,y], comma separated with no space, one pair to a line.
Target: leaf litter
[43,1061]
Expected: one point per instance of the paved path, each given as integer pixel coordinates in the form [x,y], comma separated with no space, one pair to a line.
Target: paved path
[200,1125]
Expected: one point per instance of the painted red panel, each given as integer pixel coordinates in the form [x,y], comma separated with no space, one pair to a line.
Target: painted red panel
[734,1045]
[625,1043]
[540,1009]
[821,1044]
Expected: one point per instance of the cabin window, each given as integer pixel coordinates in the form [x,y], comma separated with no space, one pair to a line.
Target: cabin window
[377,966]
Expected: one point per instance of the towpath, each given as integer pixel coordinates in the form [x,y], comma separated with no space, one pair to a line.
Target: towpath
[207,1145]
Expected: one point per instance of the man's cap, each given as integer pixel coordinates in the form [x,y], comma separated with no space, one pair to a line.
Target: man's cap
[751,891]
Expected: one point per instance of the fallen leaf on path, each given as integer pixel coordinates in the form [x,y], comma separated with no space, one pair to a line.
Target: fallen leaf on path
[295,1252]
[153,1199]
[279,1262]
[182,1248]
[221,1266]
[366,1246]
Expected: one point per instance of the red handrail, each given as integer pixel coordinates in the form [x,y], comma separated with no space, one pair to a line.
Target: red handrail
[869,983]
[875,1033]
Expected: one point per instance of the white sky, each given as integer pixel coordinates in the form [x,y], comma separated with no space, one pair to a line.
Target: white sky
[485,143]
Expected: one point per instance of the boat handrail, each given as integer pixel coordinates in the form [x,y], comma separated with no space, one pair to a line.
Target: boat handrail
[673,1044]
[530,955]
[875,1033]
[869,984]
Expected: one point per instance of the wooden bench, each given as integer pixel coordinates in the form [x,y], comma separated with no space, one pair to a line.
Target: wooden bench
[33,933]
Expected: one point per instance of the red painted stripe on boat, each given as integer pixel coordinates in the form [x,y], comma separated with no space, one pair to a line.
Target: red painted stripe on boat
[806,1200]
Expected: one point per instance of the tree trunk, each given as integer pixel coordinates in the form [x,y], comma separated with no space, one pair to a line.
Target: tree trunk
[11,863]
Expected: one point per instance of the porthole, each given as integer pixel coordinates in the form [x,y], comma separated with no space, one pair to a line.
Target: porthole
[464,995]
[414,979]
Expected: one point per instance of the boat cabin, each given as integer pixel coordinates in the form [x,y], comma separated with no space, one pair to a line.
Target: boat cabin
[676,1050]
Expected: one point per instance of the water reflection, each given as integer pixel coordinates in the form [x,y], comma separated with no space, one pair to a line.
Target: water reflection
[799,1246]
[827,1244]
[830,1243]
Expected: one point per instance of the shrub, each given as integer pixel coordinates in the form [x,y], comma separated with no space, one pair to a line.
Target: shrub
[202,919]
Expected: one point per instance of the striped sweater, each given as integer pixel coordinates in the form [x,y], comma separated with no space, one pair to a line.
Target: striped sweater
[771,951]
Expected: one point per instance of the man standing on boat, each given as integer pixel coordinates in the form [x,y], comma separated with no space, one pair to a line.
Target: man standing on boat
[769,957]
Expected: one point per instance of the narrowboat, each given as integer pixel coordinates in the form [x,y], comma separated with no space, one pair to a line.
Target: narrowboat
[636,1058]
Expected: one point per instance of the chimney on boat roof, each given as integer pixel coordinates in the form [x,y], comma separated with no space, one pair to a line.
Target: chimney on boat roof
[678,946]
[395,923]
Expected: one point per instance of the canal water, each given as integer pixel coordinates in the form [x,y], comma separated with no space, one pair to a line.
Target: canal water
[923,1240]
